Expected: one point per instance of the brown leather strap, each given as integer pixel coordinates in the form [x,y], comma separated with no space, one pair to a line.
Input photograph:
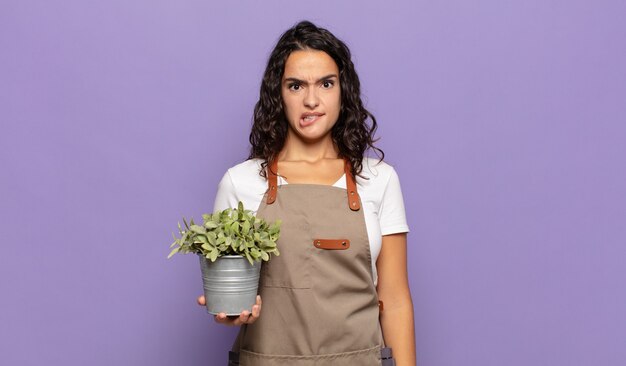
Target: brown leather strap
[272,181]
[332,244]
[353,196]
[354,201]
[381,307]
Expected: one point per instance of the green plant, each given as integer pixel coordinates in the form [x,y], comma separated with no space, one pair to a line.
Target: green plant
[228,232]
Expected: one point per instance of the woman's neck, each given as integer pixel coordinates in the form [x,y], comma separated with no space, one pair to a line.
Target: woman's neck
[296,149]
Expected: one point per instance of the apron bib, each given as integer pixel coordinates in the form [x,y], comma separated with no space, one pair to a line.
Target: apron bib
[320,305]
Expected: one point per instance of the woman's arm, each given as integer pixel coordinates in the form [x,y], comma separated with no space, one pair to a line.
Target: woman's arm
[393,290]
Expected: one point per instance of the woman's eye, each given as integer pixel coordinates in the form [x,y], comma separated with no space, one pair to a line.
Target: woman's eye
[294,87]
[327,84]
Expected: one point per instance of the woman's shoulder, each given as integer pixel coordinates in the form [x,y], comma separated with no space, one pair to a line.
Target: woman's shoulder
[375,179]
[246,167]
[247,172]
[377,171]
[241,183]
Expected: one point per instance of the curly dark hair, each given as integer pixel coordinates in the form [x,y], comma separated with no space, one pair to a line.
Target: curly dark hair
[350,133]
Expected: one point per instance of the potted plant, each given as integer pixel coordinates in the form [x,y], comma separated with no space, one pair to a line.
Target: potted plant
[231,245]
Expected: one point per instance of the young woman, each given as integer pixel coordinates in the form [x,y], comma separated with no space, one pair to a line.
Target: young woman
[338,294]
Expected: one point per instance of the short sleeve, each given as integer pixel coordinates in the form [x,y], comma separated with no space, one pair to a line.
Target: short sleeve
[392,216]
[226,196]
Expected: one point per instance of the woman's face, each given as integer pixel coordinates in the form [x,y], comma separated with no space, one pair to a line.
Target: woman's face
[311,94]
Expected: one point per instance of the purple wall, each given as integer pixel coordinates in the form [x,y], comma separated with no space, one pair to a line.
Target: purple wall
[505,121]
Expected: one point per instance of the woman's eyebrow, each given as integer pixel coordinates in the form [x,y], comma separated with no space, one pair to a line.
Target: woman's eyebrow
[330,76]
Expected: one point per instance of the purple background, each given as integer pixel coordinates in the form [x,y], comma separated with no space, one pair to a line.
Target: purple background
[504,119]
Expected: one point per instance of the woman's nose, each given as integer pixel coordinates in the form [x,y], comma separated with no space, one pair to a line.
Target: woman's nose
[311,98]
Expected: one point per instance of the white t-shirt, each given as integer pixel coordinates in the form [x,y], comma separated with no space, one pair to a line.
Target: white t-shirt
[381,197]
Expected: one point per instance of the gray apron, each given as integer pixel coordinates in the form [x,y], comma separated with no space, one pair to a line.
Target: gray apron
[320,305]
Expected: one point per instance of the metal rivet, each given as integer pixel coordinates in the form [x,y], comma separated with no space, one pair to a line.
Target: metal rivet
[273,187]
[343,243]
[353,203]
[352,193]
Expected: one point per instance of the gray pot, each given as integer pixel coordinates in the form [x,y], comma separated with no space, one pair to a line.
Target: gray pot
[230,284]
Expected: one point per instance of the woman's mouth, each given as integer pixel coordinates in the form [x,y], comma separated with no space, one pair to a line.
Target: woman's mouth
[309,119]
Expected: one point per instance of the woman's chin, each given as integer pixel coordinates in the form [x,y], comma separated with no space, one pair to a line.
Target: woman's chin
[312,137]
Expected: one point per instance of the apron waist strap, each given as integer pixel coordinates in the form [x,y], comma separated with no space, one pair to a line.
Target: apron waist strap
[233,358]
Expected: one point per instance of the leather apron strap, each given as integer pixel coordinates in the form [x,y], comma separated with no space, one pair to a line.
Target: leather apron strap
[354,201]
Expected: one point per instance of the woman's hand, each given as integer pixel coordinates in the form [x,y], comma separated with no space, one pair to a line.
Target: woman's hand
[244,318]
